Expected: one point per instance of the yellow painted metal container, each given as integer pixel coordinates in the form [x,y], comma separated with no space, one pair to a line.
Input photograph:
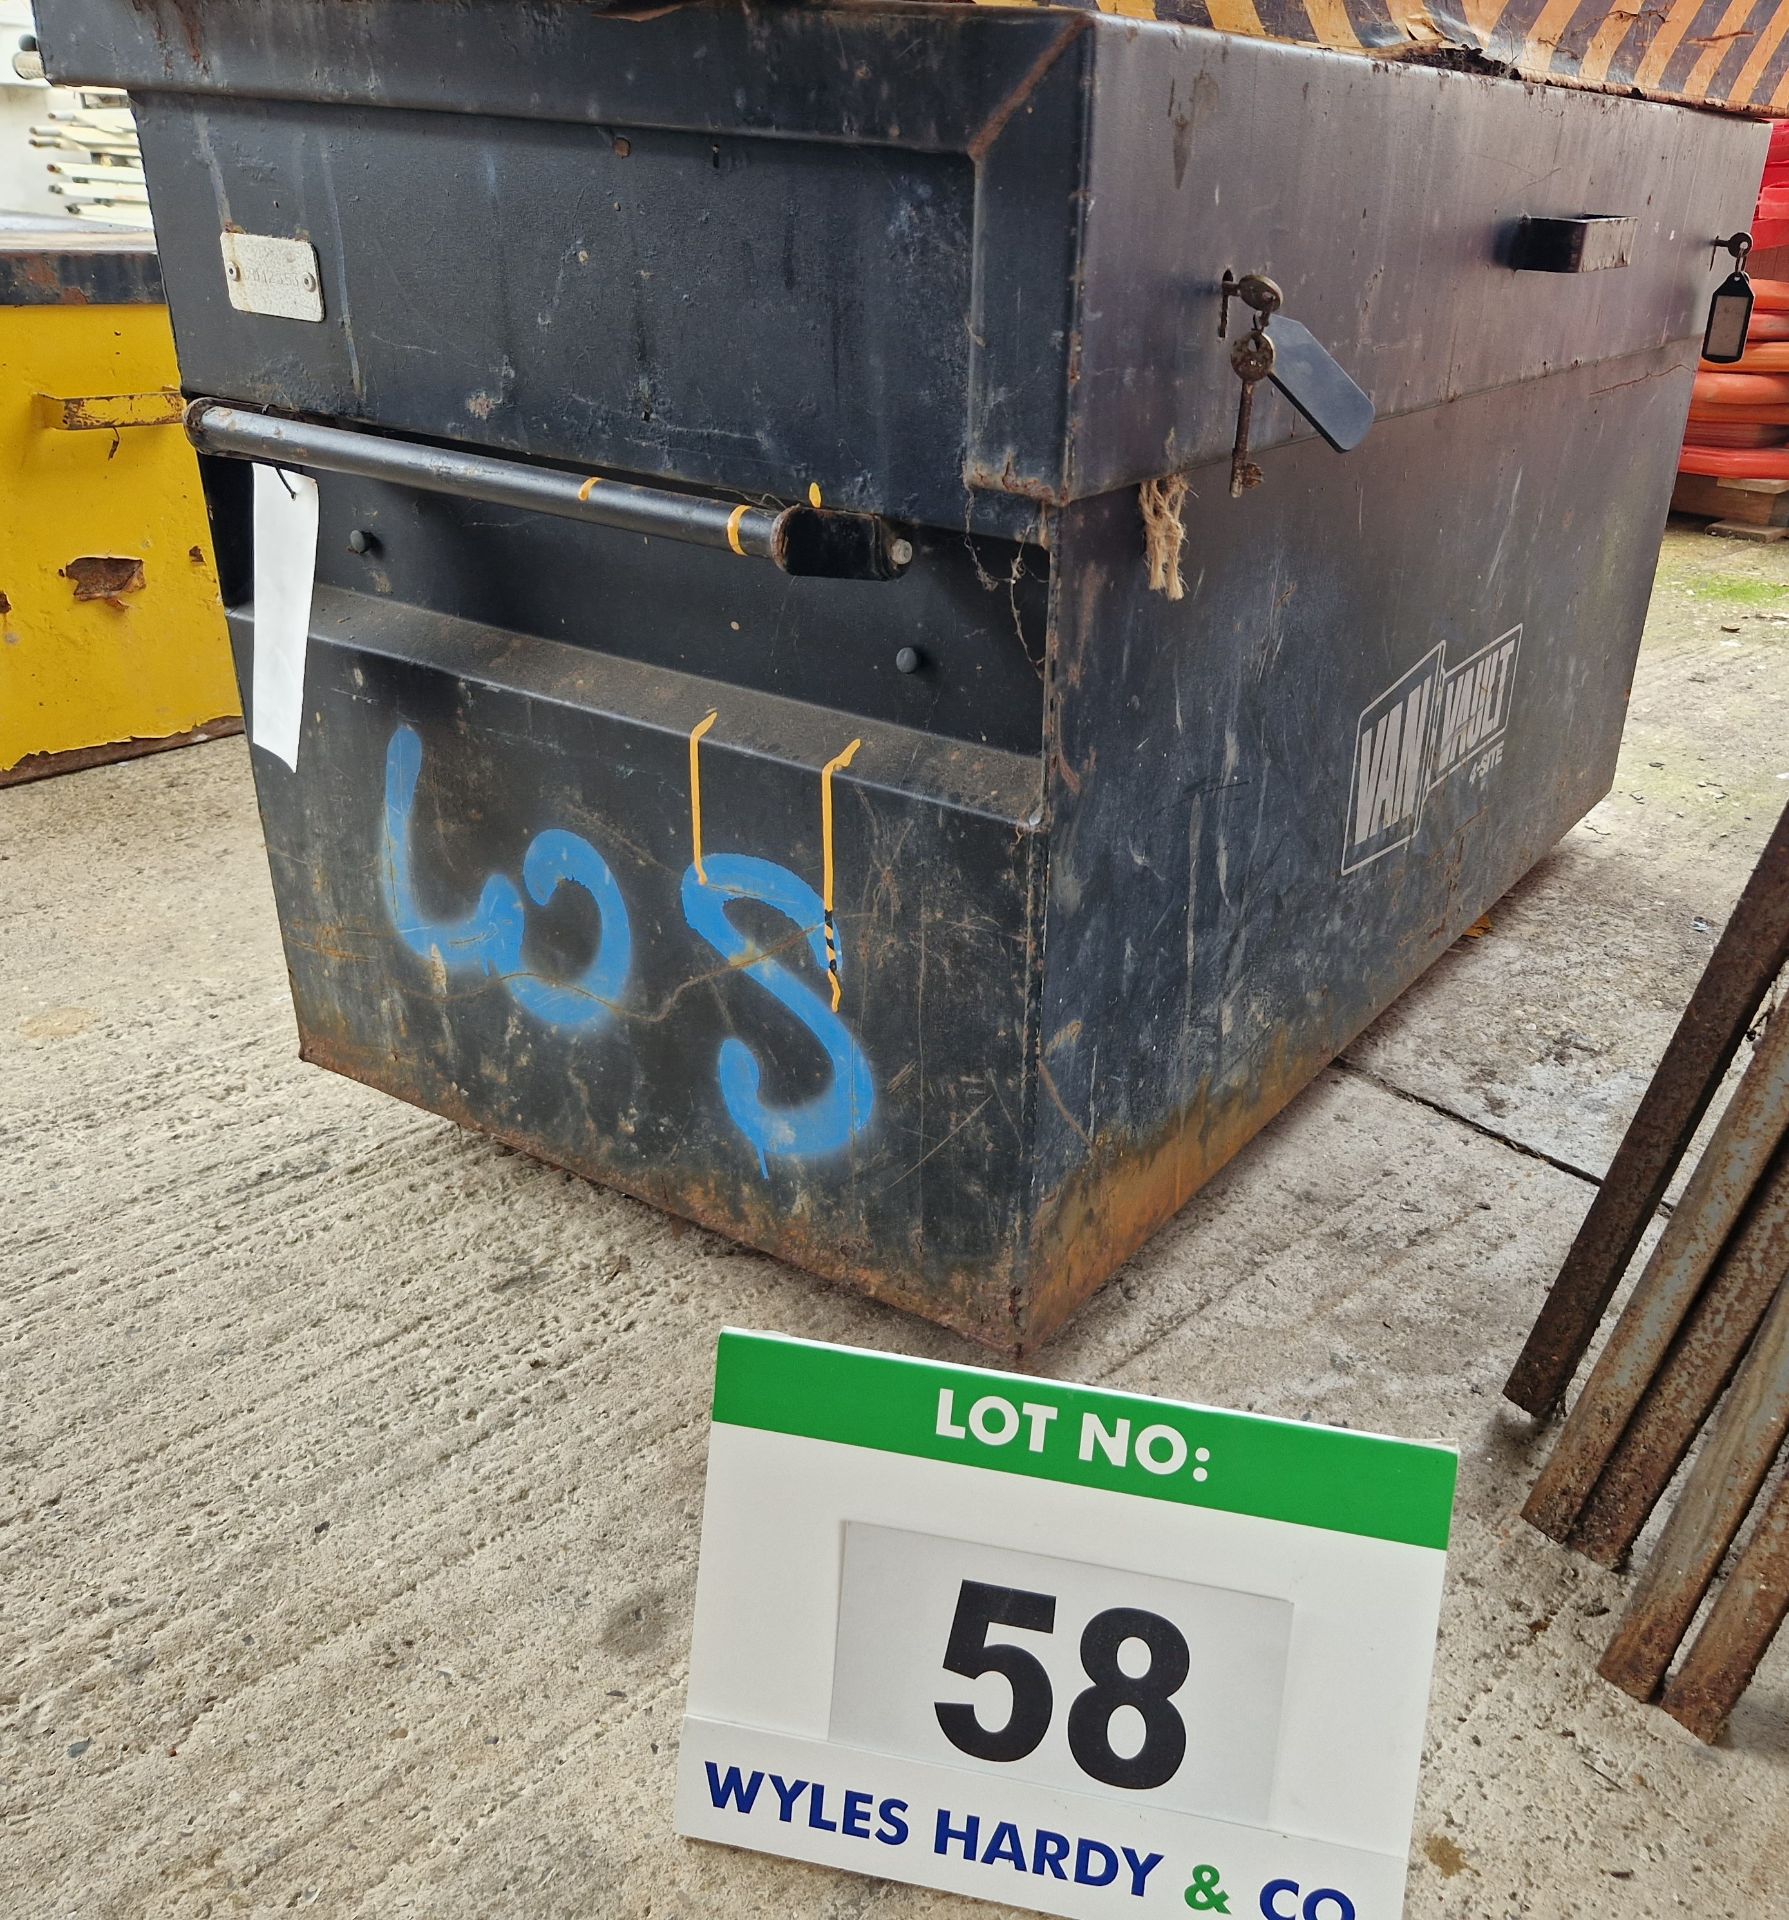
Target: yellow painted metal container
[112,637]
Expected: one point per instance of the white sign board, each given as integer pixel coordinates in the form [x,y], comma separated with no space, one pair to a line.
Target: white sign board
[1078,1651]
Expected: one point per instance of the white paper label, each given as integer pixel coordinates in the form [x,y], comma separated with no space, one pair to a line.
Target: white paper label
[285,571]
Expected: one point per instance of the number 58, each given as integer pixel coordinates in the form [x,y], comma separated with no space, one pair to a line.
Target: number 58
[971,1653]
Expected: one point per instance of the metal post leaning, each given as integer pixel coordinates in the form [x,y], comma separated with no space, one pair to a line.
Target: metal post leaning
[1740,1627]
[1736,1457]
[1749,955]
[1701,1362]
[1732,1165]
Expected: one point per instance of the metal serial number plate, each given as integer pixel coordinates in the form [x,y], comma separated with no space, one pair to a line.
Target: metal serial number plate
[270,274]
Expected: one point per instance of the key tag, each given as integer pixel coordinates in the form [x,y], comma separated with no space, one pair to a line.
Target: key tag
[1730,311]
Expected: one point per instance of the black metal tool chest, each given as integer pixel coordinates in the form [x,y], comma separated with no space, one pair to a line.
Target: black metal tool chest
[850,849]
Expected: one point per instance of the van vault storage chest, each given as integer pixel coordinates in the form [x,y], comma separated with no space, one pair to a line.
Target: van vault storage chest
[744,757]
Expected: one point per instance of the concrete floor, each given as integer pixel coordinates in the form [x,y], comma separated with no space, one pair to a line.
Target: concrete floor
[353,1465]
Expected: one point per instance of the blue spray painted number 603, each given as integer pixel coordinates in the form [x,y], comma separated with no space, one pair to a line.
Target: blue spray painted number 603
[488,942]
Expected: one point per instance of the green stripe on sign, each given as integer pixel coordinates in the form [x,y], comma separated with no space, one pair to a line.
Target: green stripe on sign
[1087,1437]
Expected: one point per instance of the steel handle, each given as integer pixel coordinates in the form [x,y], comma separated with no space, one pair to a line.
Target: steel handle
[1585,243]
[801,540]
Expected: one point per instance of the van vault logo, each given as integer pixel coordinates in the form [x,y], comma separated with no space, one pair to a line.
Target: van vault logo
[1430,724]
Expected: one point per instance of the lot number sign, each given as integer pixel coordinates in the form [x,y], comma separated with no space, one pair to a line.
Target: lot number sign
[1077,1651]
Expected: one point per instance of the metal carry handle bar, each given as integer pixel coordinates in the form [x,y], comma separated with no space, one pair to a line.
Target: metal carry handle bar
[800,540]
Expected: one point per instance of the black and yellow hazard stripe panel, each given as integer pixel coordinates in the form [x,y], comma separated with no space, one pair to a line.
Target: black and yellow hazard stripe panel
[1732,53]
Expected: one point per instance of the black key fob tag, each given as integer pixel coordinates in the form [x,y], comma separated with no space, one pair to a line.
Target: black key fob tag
[1729,317]
[1730,311]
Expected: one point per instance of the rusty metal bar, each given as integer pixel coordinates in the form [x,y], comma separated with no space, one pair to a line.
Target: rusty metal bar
[1701,1362]
[1748,957]
[1732,1165]
[1735,1458]
[111,412]
[1739,1629]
